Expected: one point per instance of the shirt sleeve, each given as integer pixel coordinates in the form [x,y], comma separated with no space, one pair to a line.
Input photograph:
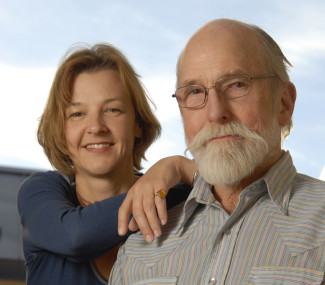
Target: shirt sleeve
[52,222]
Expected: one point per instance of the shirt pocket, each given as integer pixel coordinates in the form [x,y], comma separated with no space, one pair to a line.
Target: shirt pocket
[158,281]
[284,276]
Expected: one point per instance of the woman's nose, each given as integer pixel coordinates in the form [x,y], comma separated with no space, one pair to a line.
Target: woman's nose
[96,125]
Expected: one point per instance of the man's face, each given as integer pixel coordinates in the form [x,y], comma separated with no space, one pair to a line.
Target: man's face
[208,58]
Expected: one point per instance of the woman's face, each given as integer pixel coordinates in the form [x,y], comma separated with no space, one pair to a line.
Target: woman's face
[100,125]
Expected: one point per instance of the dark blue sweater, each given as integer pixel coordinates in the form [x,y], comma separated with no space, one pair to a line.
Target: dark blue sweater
[60,238]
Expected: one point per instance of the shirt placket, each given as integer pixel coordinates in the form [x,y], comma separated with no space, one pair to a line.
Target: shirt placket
[225,243]
[221,255]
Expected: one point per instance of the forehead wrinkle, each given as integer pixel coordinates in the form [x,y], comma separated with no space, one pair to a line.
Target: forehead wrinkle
[188,82]
[241,40]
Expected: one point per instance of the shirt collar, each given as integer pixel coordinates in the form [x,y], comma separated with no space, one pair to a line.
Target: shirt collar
[278,180]
[200,194]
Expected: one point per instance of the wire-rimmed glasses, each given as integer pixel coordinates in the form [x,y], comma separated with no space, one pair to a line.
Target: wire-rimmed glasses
[229,88]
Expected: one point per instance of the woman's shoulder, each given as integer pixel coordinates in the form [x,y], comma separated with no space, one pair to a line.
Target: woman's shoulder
[48,177]
[45,180]
[44,186]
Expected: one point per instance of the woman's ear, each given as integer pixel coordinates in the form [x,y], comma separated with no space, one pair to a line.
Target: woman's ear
[137,131]
[287,102]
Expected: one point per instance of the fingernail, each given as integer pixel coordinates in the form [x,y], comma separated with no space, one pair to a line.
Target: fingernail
[157,233]
[120,231]
[163,221]
[149,238]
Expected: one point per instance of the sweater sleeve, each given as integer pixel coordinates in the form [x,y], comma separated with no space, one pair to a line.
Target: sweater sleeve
[177,194]
[52,222]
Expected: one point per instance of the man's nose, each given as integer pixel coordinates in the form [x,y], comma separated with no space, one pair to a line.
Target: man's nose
[218,107]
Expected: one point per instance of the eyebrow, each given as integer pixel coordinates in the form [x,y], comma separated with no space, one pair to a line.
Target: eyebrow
[107,101]
[195,81]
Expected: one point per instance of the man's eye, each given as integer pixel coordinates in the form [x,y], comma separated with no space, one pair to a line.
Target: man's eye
[239,84]
[234,86]
[194,91]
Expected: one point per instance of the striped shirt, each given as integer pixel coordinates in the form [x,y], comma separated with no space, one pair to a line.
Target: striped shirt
[275,235]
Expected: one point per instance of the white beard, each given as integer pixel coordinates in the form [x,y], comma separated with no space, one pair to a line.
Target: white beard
[229,162]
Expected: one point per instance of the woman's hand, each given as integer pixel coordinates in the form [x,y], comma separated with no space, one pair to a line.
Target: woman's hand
[143,202]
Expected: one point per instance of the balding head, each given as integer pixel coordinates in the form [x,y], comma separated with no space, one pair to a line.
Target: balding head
[244,34]
[228,46]
[223,36]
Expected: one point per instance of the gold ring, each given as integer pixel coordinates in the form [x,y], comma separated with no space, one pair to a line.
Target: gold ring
[161,193]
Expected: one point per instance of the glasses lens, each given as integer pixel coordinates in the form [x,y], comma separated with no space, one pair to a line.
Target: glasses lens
[191,96]
[234,86]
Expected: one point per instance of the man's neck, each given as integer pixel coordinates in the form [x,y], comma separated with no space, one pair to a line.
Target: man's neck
[228,195]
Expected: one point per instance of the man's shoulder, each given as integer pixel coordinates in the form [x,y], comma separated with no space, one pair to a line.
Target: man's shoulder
[305,183]
[307,192]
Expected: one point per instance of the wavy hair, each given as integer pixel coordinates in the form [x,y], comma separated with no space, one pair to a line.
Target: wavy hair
[51,134]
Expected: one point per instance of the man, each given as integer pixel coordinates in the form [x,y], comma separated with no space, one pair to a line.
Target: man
[250,218]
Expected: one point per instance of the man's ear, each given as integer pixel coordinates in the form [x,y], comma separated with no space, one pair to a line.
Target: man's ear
[287,101]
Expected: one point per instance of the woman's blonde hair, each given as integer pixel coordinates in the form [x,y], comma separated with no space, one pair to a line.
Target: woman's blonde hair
[51,129]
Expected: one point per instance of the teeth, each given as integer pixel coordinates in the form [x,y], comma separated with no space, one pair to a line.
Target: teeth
[98,145]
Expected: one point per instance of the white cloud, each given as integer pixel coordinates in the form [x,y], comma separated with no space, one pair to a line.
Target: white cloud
[23,95]
[322,174]
[161,88]
[301,48]
[172,141]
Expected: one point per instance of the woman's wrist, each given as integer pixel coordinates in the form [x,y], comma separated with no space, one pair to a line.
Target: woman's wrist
[186,169]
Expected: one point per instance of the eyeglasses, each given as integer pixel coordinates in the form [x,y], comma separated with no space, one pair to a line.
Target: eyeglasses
[229,88]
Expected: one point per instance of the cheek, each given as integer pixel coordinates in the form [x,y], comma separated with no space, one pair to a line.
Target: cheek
[72,134]
[192,123]
[261,122]
[255,114]
[256,124]
[124,130]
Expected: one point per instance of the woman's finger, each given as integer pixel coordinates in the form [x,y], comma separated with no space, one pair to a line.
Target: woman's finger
[149,206]
[161,209]
[133,226]
[141,219]
[124,215]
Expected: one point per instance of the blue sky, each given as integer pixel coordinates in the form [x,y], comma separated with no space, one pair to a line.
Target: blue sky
[36,34]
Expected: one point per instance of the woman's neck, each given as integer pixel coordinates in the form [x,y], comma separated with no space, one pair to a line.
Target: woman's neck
[91,188]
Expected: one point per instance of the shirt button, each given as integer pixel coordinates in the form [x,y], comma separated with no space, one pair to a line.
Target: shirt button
[212,281]
[227,232]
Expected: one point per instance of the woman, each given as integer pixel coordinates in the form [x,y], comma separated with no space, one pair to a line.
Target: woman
[95,129]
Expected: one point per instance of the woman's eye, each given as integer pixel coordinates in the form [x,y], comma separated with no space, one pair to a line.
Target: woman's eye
[76,115]
[112,110]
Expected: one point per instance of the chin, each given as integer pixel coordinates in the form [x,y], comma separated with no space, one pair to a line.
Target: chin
[230,162]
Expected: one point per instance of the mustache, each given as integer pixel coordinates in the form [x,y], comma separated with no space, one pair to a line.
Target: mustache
[230,129]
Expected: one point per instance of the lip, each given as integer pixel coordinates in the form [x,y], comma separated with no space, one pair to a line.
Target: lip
[223,138]
[100,146]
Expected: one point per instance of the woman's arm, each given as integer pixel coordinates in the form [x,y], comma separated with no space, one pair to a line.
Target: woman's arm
[53,222]
[141,199]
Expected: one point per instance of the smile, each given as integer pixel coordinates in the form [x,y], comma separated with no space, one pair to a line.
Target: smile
[98,146]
